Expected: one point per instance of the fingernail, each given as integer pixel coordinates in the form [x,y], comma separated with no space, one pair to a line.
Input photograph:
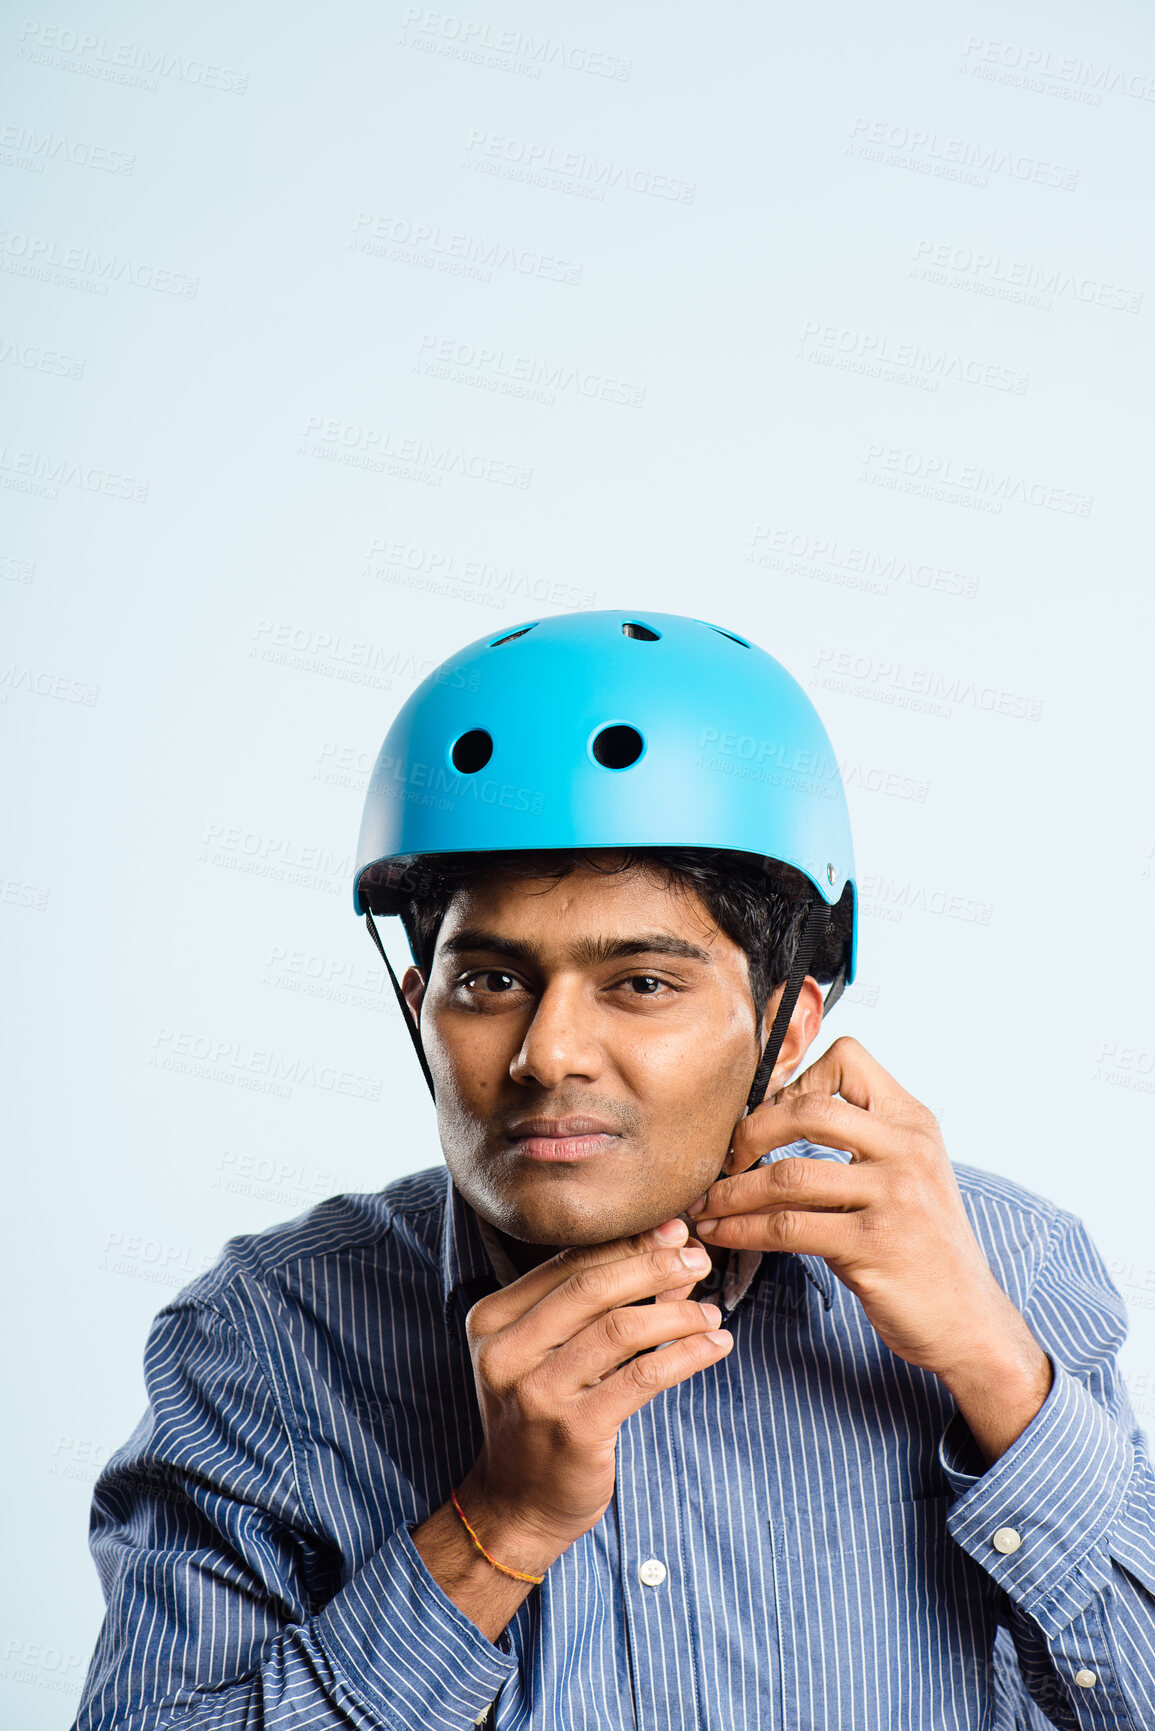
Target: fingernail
[720,1337]
[696,1207]
[695,1257]
[712,1314]
[704,1225]
[670,1232]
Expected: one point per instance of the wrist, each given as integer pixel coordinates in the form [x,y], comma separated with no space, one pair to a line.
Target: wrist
[1000,1358]
[1001,1389]
[511,1535]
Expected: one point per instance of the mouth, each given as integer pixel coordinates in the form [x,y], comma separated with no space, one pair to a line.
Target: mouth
[567,1139]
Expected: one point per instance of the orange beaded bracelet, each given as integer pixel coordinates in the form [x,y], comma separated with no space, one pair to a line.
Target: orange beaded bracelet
[514,1574]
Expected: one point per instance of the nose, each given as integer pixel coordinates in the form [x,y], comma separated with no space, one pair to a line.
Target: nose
[561,1040]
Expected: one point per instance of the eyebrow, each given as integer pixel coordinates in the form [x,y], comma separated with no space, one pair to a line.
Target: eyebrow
[587,952]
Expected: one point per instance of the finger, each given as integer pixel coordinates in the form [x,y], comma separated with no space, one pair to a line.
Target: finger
[797,1181]
[594,1289]
[847,1068]
[815,1117]
[612,1401]
[599,1349]
[499,1309]
[807,1234]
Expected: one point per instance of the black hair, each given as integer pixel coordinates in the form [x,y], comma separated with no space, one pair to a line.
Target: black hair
[759,903]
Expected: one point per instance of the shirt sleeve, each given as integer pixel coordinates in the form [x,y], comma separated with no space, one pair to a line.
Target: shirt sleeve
[1064,1521]
[225,1612]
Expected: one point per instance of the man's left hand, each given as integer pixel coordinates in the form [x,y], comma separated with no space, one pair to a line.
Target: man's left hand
[891,1225]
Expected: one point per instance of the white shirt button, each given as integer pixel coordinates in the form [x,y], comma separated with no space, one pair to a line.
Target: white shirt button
[1006,1540]
[1086,1679]
[652,1572]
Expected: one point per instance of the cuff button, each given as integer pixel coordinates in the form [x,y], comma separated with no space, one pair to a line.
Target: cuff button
[1006,1540]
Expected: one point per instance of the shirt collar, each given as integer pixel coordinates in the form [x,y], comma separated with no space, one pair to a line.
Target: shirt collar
[466,1266]
[473,1256]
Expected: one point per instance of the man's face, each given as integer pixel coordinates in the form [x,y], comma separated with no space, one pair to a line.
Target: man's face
[605,997]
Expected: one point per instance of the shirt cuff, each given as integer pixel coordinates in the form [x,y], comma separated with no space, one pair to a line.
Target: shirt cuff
[1037,1520]
[406,1649]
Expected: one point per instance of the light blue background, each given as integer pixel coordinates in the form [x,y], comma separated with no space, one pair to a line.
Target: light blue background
[193,683]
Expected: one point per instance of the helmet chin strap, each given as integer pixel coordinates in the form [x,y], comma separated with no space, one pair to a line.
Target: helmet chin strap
[813,932]
[406,1013]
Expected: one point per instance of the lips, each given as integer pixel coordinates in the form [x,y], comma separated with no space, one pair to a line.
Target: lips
[575,1125]
[562,1139]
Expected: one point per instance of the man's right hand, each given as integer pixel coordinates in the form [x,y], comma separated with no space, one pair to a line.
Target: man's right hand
[556,1373]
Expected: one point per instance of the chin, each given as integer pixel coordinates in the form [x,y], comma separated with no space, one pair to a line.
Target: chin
[563,1206]
[551,1224]
[566,1221]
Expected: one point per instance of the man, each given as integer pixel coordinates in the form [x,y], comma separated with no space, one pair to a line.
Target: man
[648,1411]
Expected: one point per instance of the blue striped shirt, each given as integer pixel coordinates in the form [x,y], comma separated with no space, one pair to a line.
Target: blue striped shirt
[822,1519]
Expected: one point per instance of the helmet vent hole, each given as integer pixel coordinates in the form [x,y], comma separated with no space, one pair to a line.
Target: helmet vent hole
[731,635]
[509,637]
[472,751]
[618,746]
[631,628]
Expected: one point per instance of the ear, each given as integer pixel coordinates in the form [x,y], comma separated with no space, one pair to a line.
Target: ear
[800,1035]
[413,991]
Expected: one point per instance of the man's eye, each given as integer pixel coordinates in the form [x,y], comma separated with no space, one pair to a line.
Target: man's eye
[489,975]
[644,980]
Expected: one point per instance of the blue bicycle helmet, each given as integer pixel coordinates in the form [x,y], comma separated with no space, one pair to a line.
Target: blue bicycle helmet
[606,730]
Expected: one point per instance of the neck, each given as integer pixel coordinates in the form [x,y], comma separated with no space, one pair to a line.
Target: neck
[525,1256]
